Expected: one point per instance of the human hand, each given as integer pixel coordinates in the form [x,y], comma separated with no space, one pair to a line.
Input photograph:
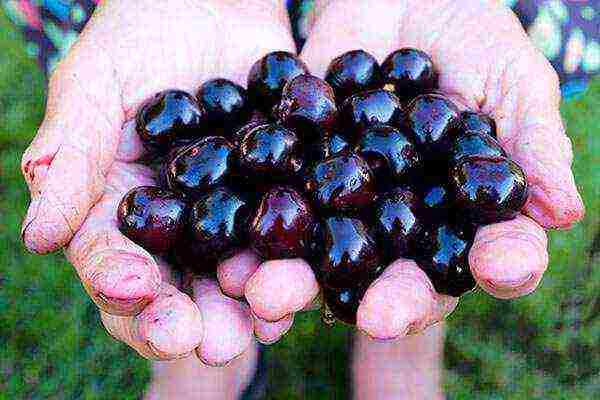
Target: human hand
[83,160]
[486,62]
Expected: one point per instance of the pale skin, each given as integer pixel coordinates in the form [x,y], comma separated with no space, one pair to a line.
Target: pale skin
[83,160]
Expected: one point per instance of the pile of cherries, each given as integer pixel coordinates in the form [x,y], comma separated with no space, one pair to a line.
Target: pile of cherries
[350,173]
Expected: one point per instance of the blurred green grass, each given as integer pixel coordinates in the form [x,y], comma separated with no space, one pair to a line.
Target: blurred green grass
[52,345]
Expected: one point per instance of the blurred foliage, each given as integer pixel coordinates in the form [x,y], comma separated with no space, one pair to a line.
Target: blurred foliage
[53,346]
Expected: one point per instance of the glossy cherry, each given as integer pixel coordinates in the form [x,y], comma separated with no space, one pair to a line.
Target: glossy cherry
[436,199]
[347,254]
[399,222]
[205,164]
[411,72]
[370,108]
[343,303]
[474,144]
[353,72]
[152,217]
[330,145]
[343,183]
[269,75]
[282,225]
[170,117]
[307,106]
[444,258]
[269,152]
[256,119]
[389,153]
[478,122]
[432,120]
[488,190]
[225,103]
[218,223]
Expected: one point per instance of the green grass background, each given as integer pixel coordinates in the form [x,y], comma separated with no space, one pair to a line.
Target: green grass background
[52,345]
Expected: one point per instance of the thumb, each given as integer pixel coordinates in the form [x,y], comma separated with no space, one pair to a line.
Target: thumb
[66,163]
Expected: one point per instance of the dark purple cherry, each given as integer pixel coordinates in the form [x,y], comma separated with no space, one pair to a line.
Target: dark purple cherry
[205,164]
[436,199]
[270,152]
[343,303]
[218,223]
[410,71]
[433,120]
[256,119]
[225,102]
[170,117]
[307,106]
[282,225]
[331,145]
[346,252]
[341,183]
[269,75]
[478,122]
[152,217]
[473,144]
[399,222]
[488,190]
[370,108]
[389,153]
[352,72]
[444,259]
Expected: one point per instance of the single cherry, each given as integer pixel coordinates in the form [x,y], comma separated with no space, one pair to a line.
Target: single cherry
[444,258]
[281,226]
[270,152]
[225,102]
[205,164]
[341,183]
[436,199]
[330,145]
[432,119]
[347,254]
[256,119]
[399,222]
[370,108]
[170,117]
[389,153]
[218,223]
[488,190]
[411,72]
[152,217]
[478,122]
[474,144]
[269,75]
[307,106]
[353,72]
[343,303]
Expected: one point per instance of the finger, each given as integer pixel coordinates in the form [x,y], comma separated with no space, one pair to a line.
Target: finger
[66,164]
[170,327]
[130,146]
[443,306]
[120,276]
[502,75]
[234,272]
[270,332]
[227,324]
[401,300]
[508,259]
[281,287]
